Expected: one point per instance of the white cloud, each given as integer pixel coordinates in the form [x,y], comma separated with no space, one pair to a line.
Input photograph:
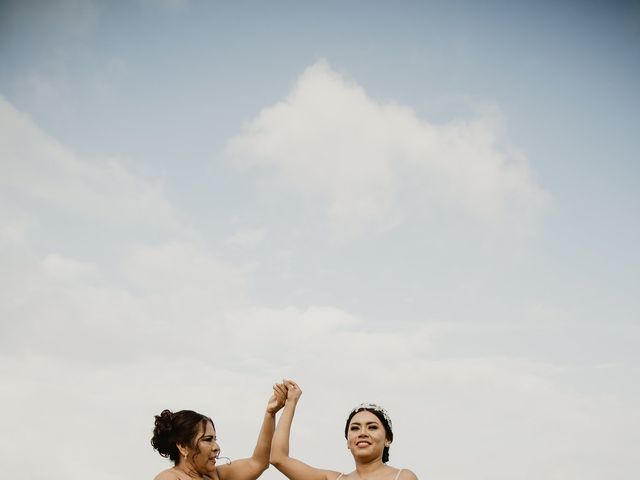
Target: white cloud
[179,264]
[69,309]
[14,228]
[372,162]
[60,268]
[246,238]
[37,165]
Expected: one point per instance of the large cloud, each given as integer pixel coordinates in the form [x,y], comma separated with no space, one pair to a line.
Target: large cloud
[82,355]
[454,418]
[71,310]
[373,161]
[37,165]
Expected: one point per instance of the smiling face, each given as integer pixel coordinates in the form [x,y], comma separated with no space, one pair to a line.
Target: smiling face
[366,436]
[202,455]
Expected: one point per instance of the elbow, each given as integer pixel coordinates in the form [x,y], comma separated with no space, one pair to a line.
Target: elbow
[262,465]
[275,460]
[258,467]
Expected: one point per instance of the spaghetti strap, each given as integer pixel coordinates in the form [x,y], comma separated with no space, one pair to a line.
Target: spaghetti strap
[397,474]
[340,476]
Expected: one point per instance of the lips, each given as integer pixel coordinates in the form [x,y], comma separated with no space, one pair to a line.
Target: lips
[362,443]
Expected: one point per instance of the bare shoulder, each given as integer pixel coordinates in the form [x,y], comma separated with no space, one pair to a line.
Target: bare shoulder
[168,474]
[407,475]
[332,475]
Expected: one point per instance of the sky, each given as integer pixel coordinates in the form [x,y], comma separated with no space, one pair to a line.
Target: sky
[428,205]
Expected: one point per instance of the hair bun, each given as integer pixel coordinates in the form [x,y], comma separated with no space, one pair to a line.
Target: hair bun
[161,432]
[164,420]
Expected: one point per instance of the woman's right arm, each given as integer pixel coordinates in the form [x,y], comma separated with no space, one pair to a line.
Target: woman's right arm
[292,468]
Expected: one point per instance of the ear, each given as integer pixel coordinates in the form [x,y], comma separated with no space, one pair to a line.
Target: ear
[184,451]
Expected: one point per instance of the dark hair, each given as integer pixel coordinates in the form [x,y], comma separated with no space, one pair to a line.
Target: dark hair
[172,429]
[385,424]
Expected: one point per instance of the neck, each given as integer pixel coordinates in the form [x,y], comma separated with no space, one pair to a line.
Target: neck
[367,468]
[188,470]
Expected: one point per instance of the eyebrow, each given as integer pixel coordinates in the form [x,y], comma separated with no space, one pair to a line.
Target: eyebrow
[368,423]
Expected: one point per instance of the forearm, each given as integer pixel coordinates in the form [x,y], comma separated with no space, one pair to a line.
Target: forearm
[251,468]
[280,443]
[263,445]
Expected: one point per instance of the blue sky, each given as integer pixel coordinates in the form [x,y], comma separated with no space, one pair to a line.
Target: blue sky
[429,205]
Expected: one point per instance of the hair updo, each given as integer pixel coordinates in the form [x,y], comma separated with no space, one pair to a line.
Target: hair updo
[384,419]
[172,429]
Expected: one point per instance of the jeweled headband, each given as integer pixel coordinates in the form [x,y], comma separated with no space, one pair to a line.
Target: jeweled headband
[377,408]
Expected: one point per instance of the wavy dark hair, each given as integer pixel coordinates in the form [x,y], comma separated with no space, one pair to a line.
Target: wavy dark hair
[171,429]
[385,424]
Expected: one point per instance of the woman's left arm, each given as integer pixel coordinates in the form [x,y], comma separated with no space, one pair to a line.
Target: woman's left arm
[252,467]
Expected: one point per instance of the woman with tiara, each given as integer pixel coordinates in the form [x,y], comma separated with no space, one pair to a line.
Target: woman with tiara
[369,434]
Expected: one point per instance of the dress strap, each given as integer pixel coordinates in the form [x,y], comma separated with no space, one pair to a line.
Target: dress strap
[340,476]
[397,474]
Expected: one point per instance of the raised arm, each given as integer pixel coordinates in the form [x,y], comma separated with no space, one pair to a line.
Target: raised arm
[251,468]
[294,469]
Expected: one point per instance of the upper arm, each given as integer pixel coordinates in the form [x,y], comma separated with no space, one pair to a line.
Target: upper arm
[243,469]
[297,470]
[407,475]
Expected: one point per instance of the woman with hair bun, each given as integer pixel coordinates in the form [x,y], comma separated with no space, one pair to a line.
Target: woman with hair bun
[189,439]
[369,434]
